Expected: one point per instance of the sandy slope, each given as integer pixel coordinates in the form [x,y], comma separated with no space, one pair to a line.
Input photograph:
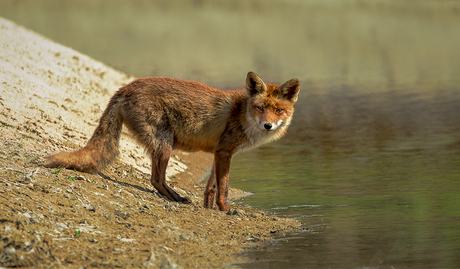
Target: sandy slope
[58,92]
[51,98]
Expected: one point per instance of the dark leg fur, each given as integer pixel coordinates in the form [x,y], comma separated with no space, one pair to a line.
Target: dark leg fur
[159,164]
[210,189]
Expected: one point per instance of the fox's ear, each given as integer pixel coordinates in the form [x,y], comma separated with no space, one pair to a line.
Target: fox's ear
[254,84]
[290,89]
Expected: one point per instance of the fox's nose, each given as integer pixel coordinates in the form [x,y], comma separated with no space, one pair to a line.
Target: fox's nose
[267,126]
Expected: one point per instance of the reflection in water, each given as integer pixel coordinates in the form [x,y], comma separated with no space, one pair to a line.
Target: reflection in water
[371,162]
[350,118]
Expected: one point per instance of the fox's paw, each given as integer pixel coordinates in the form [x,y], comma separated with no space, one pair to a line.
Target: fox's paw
[208,200]
[222,206]
[185,200]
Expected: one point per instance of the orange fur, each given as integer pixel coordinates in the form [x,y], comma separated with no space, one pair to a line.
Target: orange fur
[165,114]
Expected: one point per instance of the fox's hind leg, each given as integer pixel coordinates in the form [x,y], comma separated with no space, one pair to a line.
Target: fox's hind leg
[150,128]
[160,161]
[210,189]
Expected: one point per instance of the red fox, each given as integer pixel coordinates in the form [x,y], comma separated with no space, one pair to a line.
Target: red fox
[166,113]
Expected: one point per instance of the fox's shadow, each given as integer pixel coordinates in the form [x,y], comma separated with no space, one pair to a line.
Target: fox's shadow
[124,184]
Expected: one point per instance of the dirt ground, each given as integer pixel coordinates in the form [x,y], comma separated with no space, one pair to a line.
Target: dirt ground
[51,98]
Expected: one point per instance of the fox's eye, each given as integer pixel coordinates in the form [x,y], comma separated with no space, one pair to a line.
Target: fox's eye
[279,110]
[260,108]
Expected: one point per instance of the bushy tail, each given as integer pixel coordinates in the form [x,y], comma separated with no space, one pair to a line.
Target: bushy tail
[101,149]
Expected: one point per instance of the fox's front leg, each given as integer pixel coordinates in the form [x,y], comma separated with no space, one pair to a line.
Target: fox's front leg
[210,189]
[222,165]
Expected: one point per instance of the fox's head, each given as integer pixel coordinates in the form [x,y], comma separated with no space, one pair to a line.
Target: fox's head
[271,105]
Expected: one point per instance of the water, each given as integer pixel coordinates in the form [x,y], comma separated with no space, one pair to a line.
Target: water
[370,165]
[372,208]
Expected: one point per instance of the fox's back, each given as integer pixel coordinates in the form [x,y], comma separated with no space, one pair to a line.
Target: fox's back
[196,114]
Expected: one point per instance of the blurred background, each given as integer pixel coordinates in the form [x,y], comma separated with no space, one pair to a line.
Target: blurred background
[371,163]
[217,42]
